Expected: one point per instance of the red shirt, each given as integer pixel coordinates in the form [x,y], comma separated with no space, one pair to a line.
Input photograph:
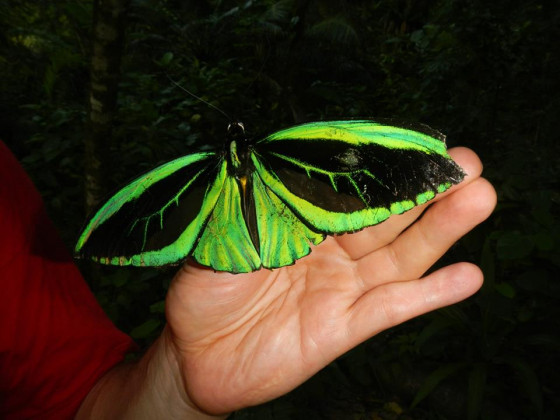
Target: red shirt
[55,341]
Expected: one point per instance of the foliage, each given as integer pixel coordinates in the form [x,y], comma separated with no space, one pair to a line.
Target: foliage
[483,72]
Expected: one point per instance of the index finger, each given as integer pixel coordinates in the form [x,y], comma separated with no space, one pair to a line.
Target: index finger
[370,239]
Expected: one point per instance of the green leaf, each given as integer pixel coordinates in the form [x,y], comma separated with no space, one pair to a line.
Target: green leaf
[488,265]
[165,59]
[279,11]
[513,245]
[335,30]
[543,240]
[477,383]
[434,379]
[145,329]
[505,289]
[120,278]
[548,342]
[158,307]
[438,325]
[456,314]
[534,279]
[529,381]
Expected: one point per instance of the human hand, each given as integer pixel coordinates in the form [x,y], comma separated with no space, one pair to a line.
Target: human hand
[243,339]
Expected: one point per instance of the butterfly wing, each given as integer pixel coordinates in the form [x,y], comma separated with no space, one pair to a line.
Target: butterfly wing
[342,176]
[305,182]
[282,237]
[226,244]
[158,218]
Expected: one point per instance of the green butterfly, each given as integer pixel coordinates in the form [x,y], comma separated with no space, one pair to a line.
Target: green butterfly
[263,203]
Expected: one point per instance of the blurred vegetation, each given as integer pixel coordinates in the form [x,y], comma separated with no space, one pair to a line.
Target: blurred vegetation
[485,73]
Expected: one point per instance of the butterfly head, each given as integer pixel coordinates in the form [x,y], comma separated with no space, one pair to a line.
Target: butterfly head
[236,131]
[237,149]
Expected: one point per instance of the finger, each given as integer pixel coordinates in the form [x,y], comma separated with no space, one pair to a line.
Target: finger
[420,246]
[361,243]
[391,304]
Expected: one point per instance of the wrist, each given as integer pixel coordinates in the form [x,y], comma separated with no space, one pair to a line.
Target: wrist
[166,354]
[153,387]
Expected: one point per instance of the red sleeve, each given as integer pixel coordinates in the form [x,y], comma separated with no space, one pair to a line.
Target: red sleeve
[55,341]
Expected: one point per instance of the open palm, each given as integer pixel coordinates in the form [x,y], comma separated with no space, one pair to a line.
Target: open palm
[243,339]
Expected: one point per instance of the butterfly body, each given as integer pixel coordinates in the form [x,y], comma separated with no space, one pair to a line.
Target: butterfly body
[265,203]
[237,153]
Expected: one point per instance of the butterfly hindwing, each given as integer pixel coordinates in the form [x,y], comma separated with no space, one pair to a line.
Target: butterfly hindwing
[226,243]
[283,237]
[251,229]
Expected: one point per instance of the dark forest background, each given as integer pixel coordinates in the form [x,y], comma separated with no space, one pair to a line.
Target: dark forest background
[486,73]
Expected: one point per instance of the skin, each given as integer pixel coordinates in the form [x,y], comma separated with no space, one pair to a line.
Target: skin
[239,340]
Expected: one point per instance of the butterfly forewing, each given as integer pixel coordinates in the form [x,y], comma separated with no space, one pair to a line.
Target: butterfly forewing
[156,219]
[342,176]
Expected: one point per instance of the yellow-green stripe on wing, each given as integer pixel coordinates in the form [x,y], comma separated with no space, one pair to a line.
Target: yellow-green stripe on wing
[225,244]
[341,176]
[283,237]
[156,219]
[278,239]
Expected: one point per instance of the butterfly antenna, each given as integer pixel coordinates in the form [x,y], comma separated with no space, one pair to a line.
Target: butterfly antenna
[199,98]
[261,69]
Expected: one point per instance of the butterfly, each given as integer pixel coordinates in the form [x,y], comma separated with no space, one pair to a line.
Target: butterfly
[264,203]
